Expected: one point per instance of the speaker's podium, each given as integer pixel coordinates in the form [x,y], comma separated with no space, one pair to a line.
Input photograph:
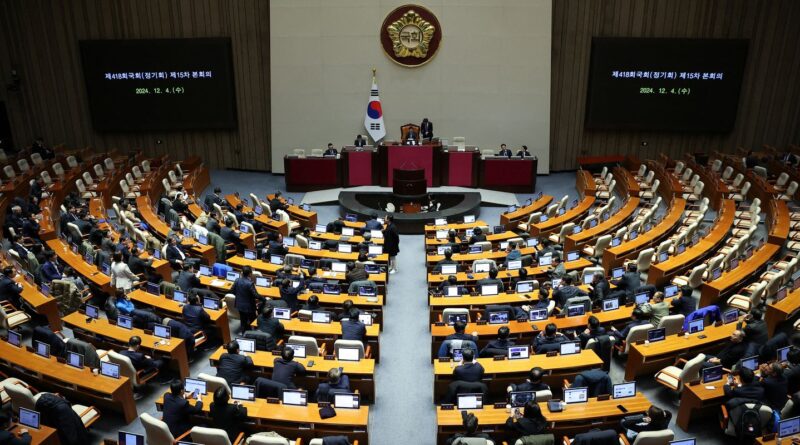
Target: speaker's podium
[409,188]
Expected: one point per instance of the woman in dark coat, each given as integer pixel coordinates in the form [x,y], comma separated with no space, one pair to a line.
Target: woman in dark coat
[391,242]
[531,422]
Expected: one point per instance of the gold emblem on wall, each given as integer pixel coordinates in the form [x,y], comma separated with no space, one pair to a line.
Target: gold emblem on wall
[410,35]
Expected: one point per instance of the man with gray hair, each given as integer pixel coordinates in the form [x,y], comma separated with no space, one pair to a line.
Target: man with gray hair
[337,382]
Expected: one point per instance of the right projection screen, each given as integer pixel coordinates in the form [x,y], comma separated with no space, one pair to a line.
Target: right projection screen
[665,84]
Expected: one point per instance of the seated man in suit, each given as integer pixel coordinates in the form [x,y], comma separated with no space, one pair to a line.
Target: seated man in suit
[731,353]
[756,327]
[338,381]
[331,151]
[776,387]
[194,316]
[139,360]
[657,310]
[373,223]
[453,281]
[233,366]
[469,370]
[504,151]
[214,198]
[353,328]
[500,345]
[746,388]
[177,411]
[175,253]
[8,437]
[524,153]
[51,270]
[477,236]
[459,327]
[187,280]
[492,279]
[567,291]
[411,137]
[549,340]
[448,259]
[638,317]
[285,368]
[359,142]
[593,330]
[471,426]
[9,289]
[684,303]
[533,382]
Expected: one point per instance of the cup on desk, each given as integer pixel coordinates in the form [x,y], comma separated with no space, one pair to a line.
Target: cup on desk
[95,372]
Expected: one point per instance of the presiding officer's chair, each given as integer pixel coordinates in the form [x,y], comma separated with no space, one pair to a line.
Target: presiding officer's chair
[408,127]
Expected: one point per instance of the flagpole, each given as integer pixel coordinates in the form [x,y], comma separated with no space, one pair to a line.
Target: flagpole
[373,75]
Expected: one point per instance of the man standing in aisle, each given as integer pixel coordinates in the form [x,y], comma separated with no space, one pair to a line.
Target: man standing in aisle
[391,242]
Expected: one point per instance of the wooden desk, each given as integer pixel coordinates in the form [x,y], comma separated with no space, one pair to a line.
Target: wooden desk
[44,435]
[103,334]
[161,229]
[660,274]
[239,262]
[91,273]
[575,418]
[277,226]
[361,373]
[614,257]
[305,218]
[578,240]
[778,222]
[697,400]
[327,254]
[76,384]
[646,359]
[171,308]
[294,421]
[554,224]
[730,281]
[45,306]
[501,373]
[533,273]
[328,333]
[511,220]
[494,238]
[355,239]
[782,311]
[458,227]
[467,258]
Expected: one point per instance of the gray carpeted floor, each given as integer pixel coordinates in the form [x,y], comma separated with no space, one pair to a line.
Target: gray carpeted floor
[404,412]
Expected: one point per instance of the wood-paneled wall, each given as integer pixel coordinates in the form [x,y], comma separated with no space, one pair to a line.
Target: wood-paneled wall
[40,41]
[769,105]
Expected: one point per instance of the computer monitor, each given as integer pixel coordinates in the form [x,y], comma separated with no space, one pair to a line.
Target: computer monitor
[642,298]
[576,395]
[306,263]
[716,273]
[246,344]
[126,438]
[441,234]
[346,401]
[315,245]
[45,290]
[345,248]
[205,271]
[786,428]
[498,229]
[179,296]
[543,218]
[588,278]
[373,249]
[109,369]
[524,286]
[469,219]
[161,331]
[157,254]
[351,217]
[125,322]
[696,326]
[670,290]
[440,222]
[75,360]
[338,267]
[153,288]
[750,363]
[250,254]
[330,289]
[202,239]
[545,260]
[470,401]
[366,318]
[576,230]
[243,392]
[518,399]
[712,374]
[29,418]
[561,211]
[617,273]
[537,315]
[451,291]
[193,386]
[531,242]
[232,275]
[623,390]
[320,228]
[276,259]
[320,317]
[616,241]
[489,289]
[211,303]
[555,282]
[781,294]
[481,267]
[733,263]
[663,256]
[282,313]
[349,354]
[440,250]
[573,256]
[684,442]
[610,304]
[515,265]
[593,222]
[14,338]
[457,354]
[348,231]
[576,310]
[680,249]
[41,349]
[263,282]
[367,291]
[730,316]
[782,353]
[518,352]
[92,311]
[475,249]
[511,208]
[299,350]
[187,233]
[654,335]
[499,317]
[372,268]
[569,348]
[376,234]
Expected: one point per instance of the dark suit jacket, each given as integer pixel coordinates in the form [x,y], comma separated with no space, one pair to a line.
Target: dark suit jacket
[283,371]
[684,305]
[330,152]
[629,282]
[775,391]
[354,330]
[137,265]
[426,128]
[228,417]
[174,254]
[752,391]
[360,142]
[756,332]
[232,367]
[246,295]
[324,389]
[731,353]
[187,281]
[8,438]
[468,372]
[505,152]
[177,413]
[271,326]
[10,290]
[195,317]
[50,272]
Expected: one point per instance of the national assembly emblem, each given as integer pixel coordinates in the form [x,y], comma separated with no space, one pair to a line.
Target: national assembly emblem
[410,35]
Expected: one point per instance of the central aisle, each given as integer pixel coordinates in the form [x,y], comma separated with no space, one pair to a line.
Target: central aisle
[404,412]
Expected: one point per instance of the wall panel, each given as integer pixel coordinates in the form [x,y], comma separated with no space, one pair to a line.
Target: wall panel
[769,104]
[40,40]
